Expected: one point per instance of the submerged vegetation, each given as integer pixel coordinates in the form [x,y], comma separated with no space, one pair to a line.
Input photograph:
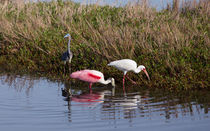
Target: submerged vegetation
[172,43]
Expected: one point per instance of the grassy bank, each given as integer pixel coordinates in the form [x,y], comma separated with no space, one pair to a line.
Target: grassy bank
[173,44]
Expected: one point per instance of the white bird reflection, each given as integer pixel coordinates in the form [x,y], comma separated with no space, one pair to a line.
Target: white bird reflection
[127,101]
[107,101]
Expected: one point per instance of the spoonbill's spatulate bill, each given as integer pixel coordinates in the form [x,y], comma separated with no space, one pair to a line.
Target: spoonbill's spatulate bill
[127,65]
[67,56]
[92,76]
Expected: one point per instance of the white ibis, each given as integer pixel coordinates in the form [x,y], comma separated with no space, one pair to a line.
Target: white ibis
[127,65]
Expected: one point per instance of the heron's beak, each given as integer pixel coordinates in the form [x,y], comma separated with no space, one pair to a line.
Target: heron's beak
[145,71]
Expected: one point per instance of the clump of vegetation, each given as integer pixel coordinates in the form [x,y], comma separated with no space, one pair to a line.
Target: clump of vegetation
[172,43]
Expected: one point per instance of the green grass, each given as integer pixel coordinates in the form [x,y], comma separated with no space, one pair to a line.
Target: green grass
[173,45]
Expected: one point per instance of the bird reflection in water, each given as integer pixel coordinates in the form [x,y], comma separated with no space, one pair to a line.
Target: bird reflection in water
[109,102]
[88,99]
[84,96]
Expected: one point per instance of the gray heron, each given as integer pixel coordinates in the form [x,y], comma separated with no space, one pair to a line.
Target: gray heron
[67,56]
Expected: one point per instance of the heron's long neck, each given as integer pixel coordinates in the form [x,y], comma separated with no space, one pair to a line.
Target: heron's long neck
[69,45]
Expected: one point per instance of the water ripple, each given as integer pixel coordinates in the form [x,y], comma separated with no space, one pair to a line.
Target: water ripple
[43,105]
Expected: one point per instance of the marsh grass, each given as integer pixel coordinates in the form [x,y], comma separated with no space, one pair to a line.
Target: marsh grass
[172,43]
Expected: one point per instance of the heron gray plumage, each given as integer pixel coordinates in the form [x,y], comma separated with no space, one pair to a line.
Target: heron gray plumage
[67,56]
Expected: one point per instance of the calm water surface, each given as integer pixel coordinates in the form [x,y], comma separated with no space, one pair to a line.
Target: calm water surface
[29,103]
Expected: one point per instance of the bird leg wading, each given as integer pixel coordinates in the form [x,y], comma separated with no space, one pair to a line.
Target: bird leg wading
[130,79]
[69,65]
[90,89]
[123,82]
[90,85]
[64,69]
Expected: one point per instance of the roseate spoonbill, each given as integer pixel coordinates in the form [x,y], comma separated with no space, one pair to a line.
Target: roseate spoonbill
[126,65]
[67,56]
[92,76]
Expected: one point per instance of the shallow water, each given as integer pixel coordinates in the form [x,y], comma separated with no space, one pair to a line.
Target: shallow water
[30,103]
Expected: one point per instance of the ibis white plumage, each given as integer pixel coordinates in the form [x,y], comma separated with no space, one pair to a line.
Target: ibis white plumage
[127,65]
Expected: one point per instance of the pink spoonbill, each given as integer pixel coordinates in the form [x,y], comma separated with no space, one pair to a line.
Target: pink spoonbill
[127,65]
[92,76]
